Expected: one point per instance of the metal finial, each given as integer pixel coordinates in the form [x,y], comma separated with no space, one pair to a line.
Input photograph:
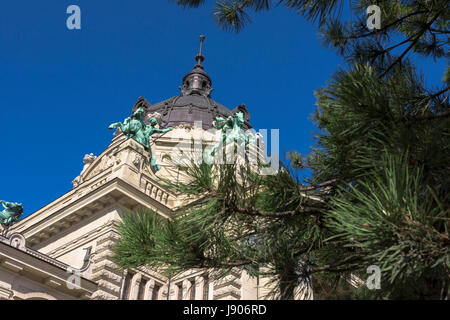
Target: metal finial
[199,58]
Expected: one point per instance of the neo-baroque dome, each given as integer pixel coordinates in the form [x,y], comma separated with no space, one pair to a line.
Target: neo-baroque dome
[194,102]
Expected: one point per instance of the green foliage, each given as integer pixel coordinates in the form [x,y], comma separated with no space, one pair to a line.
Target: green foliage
[137,238]
[226,225]
[394,221]
[360,114]
[233,14]
[385,137]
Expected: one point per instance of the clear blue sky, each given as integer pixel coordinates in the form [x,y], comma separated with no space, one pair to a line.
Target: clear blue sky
[60,89]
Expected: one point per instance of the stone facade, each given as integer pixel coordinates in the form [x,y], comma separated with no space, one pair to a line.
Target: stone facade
[87,217]
[27,274]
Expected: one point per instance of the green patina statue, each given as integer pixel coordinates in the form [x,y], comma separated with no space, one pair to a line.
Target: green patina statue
[148,131]
[135,127]
[232,131]
[12,213]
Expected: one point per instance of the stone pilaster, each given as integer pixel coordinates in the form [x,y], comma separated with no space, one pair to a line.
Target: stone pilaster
[148,293]
[163,293]
[104,271]
[186,294]
[199,287]
[134,288]
[174,291]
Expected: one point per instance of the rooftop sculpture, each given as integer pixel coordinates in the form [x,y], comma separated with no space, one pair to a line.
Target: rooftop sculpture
[232,131]
[11,214]
[135,127]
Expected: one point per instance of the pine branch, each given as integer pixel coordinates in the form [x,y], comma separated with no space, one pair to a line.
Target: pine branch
[321,185]
[413,43]
[427,117]
[386,27]
[332,267]
[440,31]
[214,264]
[439,93]
[290,213]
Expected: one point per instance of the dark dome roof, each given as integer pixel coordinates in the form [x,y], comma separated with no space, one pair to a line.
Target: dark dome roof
[188,109]
[193,104]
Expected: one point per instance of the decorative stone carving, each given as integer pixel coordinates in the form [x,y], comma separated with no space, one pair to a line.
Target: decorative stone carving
[76,182]
[137,160]
[153,115]
[141,103]
[110,162]
[105,163]
[87,160]
[242,108]
[18,241]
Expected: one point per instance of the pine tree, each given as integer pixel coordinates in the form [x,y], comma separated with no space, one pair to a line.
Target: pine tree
[237,219]
[379,193]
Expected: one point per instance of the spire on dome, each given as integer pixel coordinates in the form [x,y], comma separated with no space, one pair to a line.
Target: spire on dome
[200,58]
[197,82]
